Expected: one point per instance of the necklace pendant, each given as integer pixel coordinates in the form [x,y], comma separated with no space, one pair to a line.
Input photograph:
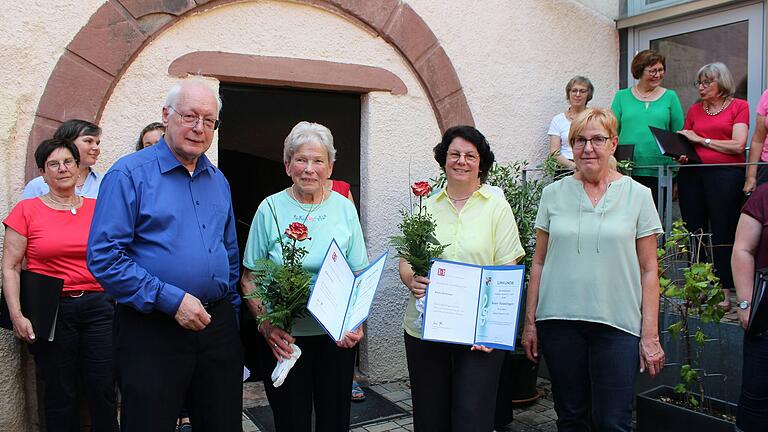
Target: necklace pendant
[73,210]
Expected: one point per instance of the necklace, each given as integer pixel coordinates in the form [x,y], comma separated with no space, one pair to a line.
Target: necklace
[644,95]
[312,206]
[725,104]
[458,200]
[72,206]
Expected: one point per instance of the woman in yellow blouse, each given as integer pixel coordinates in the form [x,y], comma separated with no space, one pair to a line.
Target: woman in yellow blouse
[453,387]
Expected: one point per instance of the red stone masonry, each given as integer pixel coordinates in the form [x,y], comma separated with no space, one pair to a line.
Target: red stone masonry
[84,77]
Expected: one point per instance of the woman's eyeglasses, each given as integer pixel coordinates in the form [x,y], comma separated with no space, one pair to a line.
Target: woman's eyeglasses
[597,141]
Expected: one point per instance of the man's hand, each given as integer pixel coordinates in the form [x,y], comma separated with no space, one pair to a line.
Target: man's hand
[191,314]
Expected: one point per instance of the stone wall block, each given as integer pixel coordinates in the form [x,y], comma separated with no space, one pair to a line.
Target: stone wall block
[140,8]
[374,13]
[409,33]
[438,74]
[76,89]
[453,111]
[109,39]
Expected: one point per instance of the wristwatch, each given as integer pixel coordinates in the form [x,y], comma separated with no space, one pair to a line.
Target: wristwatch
[743,305]
[706,142]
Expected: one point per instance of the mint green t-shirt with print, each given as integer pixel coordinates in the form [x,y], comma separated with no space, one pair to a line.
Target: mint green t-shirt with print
[591,270]
[335,218]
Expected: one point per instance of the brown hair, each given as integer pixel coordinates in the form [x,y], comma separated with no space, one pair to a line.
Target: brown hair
[578,79]
[646,58]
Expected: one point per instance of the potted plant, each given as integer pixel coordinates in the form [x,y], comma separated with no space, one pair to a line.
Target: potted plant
[691,289]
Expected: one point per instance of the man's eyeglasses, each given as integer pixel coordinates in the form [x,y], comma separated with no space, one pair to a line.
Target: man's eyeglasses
[468,157]
[190,120]
[54,165]
[704,83]
[597,141]
[653,72]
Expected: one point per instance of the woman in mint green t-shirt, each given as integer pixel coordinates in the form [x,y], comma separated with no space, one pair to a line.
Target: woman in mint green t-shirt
[322,376]
[645,104]
[593,298]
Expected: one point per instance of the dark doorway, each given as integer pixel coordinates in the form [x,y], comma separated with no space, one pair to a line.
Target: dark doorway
[255,122]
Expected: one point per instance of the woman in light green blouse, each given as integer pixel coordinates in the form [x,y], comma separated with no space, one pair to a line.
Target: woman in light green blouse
[593,296]
[645,104]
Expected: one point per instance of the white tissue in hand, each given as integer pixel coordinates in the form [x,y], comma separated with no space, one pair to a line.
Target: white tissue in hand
[420,308]
[284,366]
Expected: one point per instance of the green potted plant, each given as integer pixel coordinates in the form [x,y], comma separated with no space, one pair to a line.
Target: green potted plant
[690,288]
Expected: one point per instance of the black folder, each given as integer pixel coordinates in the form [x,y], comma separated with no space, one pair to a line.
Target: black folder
[39,299]
[758,311]
[624,152]
[675,145]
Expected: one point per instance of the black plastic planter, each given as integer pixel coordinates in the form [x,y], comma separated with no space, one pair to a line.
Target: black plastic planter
[517,385]
[653,415]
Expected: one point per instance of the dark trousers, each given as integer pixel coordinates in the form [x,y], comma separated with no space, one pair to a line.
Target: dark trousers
[593,369]
[711,200]
[752,415]
[452,388]
[79,362]
[160,364]
[321,377]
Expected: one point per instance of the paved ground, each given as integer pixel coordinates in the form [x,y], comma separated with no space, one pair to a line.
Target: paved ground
[538,417]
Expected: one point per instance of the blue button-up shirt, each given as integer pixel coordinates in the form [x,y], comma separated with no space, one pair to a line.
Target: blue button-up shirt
[89,189]
[159,232]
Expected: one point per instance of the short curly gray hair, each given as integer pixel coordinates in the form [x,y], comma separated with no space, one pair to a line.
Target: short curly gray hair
[304,133]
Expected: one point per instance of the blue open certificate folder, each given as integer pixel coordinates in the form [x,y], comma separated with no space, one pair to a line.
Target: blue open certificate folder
[340,300]
[470,304]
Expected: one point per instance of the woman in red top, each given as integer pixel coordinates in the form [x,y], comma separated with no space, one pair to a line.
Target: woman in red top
[51,232]
[711,197]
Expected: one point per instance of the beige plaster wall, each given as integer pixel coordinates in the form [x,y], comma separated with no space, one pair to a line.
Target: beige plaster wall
[512,61]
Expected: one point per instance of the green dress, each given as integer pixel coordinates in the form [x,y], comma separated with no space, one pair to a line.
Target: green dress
[634,118]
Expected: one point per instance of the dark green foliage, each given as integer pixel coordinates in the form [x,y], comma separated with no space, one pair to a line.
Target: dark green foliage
[284,289]
[417,245]
[695,294]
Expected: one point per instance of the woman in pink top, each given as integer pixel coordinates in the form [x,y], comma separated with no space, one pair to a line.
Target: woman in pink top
[51,233]
[711,197]
[758,150]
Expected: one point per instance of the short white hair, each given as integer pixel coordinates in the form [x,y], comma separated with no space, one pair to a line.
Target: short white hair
[304,133]
[173,94]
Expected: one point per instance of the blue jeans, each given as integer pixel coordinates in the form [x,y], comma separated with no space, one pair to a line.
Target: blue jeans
[593,369]
[753,403]
[79,362]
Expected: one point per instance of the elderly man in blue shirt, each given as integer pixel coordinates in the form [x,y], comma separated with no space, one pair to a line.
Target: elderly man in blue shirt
[163,244]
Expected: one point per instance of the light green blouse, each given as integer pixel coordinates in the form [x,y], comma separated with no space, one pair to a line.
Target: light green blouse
[336,218]
[591,270]
[634,118]
[484,232]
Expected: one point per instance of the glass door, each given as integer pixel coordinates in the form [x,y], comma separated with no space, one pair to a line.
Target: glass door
[733,36]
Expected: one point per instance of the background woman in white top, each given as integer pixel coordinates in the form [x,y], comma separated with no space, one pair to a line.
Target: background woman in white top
[578,92]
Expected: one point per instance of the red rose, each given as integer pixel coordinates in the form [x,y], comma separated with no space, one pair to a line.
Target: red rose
[297,231]
[421,188]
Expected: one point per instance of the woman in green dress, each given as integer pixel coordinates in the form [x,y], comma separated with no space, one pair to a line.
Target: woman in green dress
[645,104]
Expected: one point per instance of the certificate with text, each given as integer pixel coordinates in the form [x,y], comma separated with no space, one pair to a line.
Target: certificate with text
[340,300]
[470,304]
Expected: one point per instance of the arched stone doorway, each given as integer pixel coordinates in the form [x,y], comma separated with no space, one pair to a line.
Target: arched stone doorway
[96,58]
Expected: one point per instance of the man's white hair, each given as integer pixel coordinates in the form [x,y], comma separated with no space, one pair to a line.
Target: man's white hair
[173,94]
